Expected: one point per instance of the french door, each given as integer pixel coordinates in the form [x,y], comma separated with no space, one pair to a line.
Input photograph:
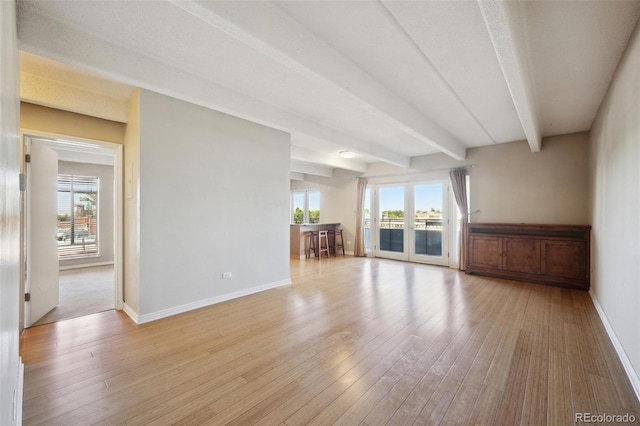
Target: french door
[411,222]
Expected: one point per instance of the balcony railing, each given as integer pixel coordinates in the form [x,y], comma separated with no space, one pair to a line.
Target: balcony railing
[427,235]
[419,224]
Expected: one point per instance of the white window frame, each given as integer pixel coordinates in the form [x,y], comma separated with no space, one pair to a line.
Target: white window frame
[78,252]
[305,210]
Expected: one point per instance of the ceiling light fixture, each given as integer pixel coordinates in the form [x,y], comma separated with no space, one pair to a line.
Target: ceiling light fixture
[347,154]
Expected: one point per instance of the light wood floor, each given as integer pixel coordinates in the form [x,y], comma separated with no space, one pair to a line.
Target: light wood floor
[352,341]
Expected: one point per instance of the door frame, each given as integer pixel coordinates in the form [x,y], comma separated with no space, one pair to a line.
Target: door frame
[118,205]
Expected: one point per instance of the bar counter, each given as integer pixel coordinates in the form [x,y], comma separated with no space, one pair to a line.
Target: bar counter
[298,241]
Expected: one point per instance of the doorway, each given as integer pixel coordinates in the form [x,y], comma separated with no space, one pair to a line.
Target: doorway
[410,221]
[72,228]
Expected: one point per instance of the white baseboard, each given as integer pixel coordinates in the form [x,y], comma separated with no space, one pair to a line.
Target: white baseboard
[626,362]
[85,265]
[141,319]
[132,314]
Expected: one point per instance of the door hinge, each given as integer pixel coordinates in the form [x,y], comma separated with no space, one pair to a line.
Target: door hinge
[23,181]
[27,158]
[27,297]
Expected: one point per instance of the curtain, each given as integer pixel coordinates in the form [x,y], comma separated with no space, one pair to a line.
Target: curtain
[459,184]
[359,249]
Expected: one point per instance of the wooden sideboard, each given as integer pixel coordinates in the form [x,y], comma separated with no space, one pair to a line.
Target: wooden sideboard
[545,254]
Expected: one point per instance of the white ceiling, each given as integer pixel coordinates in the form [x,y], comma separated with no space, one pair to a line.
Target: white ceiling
[390,80]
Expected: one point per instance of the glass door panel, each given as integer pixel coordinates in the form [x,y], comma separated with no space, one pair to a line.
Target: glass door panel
[428,227]
[367,220]
[391,241]
[297,207]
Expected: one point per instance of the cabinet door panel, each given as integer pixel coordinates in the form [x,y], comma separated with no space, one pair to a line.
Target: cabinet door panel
[564,259]
[485,252]
[522,255]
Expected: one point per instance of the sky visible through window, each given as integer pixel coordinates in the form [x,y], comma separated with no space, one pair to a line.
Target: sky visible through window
[426,197]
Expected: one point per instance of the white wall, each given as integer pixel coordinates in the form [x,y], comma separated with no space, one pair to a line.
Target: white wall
[337,200]
[615,206]
[10,372]
[105,210]
[214,197]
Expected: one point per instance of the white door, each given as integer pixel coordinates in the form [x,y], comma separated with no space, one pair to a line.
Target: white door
[411,222]
[42,244]
[390,223]
[428,230]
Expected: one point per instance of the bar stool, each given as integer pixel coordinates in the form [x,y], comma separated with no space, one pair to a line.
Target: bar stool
[311,244]
[338,233]
[321,235]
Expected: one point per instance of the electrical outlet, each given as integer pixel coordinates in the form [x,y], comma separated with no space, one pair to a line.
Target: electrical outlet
[348,242]
[226,275]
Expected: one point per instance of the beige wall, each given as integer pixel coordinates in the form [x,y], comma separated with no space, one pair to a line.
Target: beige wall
[131,246]
[50,120]
[615,208]
[511,184]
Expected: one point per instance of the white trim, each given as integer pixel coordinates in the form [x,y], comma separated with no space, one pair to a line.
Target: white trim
[626,362]
[85,265]
[141,319]
[131,313]
[118,226]
[20,393]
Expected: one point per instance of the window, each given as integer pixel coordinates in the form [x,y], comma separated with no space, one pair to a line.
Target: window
[77,216]
[305,207]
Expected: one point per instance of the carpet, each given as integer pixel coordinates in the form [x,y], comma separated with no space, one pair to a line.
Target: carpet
[83,292]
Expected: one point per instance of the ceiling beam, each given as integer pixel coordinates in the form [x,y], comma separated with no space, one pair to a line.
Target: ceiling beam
[310,168]
[296,176]
[42,36]
[323,158]
[504,23]
[270,31]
